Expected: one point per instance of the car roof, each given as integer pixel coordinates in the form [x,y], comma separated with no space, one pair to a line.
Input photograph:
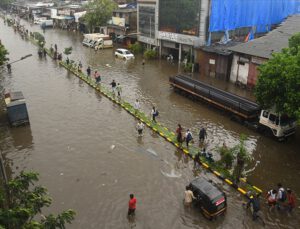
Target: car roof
[206,187]
[123,49]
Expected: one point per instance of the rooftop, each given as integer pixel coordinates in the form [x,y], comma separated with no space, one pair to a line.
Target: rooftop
[222,49]
[272,42]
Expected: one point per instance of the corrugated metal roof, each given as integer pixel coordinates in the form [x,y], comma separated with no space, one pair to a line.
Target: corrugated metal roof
[274,41]
[222,49]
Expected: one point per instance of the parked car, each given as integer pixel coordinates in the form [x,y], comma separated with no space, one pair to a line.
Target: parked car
[211,201]
[124,54]
[88,42]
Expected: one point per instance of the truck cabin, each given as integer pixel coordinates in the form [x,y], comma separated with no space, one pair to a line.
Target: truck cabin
[276,119]
[281,126]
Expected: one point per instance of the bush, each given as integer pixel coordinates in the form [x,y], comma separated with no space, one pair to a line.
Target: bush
[39,37]
[3,55]
[188,67]
[136,48]
[227,157]
[150,54]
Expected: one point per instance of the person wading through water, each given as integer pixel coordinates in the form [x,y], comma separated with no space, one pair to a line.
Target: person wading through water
[154,114]
[131,205]
[140,127]
[179,134]
[188,137]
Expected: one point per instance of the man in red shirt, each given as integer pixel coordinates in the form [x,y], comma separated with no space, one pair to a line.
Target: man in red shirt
[291,200]
[131,205]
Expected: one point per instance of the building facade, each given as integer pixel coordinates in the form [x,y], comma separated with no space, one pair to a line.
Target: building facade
[147,22]
[182,27]
[250,55]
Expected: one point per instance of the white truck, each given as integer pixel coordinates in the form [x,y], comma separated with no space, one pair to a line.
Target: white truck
[279,126]
[97,41]
[241,109]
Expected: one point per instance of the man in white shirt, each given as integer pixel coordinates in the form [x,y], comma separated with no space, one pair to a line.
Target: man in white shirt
[188,196]
[140,127]
[136,105]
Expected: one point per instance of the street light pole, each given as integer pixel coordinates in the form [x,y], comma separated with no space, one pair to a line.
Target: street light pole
[8,65]
[22,58]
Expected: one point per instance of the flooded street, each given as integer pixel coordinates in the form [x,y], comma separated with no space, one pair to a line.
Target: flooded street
[89,156]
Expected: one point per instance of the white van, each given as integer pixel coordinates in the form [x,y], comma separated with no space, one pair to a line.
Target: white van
[97,41]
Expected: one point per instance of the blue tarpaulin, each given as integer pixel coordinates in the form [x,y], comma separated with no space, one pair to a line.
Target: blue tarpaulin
[233,14]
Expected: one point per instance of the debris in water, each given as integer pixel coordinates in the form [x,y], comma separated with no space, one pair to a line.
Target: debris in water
[112,147]
[61,174]
[108,65]
[151,151]
[172,174]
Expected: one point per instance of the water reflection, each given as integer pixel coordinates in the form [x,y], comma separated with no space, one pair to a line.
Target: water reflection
[22,137]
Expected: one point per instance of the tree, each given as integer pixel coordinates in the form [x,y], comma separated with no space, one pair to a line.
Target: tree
[3,54]
[21,201]
[279,81]
[237,154]
[98,13]
[242,157]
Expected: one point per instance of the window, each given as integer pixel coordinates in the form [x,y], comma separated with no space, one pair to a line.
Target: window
[180,16]
[147,21]
[272,118]
[265,114]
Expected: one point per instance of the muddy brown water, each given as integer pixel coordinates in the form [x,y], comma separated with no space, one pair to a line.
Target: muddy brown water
[88,154]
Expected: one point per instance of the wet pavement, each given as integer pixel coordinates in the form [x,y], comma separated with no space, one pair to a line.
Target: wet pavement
[88,154]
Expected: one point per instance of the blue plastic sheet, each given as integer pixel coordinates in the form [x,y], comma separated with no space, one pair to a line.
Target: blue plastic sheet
[233,14]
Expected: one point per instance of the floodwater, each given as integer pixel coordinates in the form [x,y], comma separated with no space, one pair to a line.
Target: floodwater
[90,158]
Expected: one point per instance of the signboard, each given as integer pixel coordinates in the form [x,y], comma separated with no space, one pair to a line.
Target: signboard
[118,21]
[65,12]
[147,40]
[212,61]
[177,38]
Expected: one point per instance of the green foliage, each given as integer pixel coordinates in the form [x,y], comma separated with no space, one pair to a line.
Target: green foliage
[136,48]
[40,39]
[150,54]
[294,44]
[237,153]
[242,157]
[3,54]
[68,51]
[227,157]
[279,81]
[188,67]
[24,200]
[98,13]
